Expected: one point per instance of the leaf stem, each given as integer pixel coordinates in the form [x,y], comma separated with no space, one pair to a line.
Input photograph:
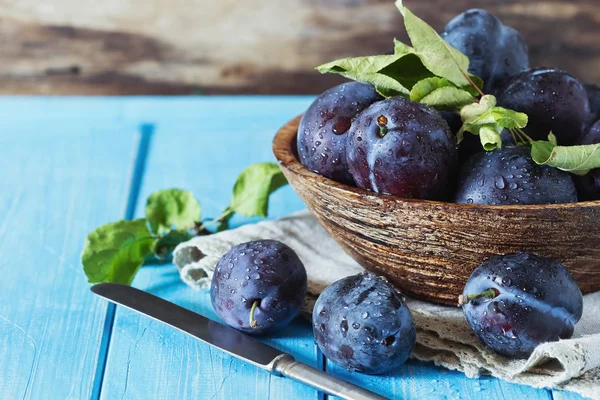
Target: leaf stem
[253,322]
[472,83]
[490,294]
[522,133]
[514,138]
[225,214]
[519,136]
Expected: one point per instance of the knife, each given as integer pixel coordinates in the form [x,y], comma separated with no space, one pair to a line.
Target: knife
[229,340]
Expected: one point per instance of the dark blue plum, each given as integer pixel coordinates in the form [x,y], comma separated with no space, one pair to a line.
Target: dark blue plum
[510,176]
[495,51]
[266,273]
[362,324]
[403,148]
[588,186]
[323,127]
[552,99]
[593,93]
[471,144]
[453,120]
[525,300]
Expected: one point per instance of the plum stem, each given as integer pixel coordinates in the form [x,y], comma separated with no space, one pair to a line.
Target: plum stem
[382,123]
[464,299]
[253,322]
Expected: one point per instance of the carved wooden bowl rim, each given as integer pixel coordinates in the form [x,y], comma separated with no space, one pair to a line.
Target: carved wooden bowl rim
[283,149]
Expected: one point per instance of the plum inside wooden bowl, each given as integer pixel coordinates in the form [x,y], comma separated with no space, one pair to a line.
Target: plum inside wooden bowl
[428,249]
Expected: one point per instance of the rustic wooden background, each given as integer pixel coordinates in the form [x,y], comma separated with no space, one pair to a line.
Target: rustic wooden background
[233,46]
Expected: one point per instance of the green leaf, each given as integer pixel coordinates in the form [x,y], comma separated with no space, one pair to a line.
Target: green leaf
[367,70]
[493,120]
[392,75]
[552,139]
[472,111]
[438,56]
[114,252]
[478,82]
[448,98]
[499,116]
[509,119]
[490,137]
[578,160]
[166,244]
[170,208]
[253,188]
[428,85]
[401,48]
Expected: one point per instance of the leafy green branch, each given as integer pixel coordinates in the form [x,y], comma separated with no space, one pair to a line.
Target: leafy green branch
[115,252]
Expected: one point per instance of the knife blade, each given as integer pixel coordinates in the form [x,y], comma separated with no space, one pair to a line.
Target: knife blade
[229,340]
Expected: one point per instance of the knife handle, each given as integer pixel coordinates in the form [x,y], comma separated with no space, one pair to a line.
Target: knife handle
[287,366]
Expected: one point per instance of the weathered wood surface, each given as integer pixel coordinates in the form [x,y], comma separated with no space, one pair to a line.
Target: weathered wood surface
[429,248]
[228,46]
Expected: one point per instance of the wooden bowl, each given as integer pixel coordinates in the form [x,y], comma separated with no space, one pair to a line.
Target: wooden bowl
[428,249]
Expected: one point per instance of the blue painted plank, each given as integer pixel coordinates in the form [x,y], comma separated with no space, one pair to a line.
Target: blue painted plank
[419,380]
[202,145]
[61,175]
[564,395]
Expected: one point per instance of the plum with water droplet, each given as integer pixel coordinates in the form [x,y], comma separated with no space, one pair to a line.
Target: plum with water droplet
[402,148]
[593,93]
[495,51]
[258,286]
[471,144]
[361,323]
[588,186]
[322,130]
[510,176]
[518,301]
[552,99]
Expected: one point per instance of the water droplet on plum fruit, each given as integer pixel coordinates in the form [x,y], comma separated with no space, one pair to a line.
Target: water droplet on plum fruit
[341,126]
[344,327]
[499,182]
[356,325]
[365,315]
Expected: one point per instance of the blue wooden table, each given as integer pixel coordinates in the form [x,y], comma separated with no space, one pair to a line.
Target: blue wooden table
[68,165]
